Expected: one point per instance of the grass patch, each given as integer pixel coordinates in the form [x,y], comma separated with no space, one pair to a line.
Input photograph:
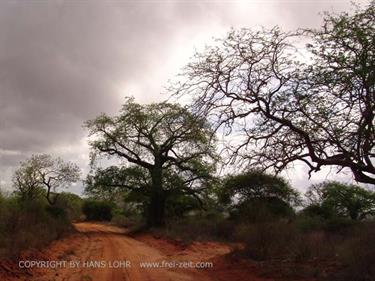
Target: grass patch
[32,224]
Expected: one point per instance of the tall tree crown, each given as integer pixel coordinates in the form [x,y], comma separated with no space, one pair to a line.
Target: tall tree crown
[144,134]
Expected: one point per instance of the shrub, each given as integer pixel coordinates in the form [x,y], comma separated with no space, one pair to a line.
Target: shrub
[339,225]
[266,240]
[317,210]
[29,224]
[177,205]
[200,227]
[337,199]
[71,204]
[285,239]
[357,255]
[125,221]
[307,224]
[262,209]
[97,210]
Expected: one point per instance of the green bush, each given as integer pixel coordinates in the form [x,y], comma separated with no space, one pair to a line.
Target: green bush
[261,210]
[71,204]
[178,205]
[316,210]
[315,217]
[97,210]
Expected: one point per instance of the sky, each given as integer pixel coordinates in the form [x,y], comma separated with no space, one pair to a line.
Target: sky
[65,62]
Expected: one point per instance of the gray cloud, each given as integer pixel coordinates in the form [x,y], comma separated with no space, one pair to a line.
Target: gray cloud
[62,63]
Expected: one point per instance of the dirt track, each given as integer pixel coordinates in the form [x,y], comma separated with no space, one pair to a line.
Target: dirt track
[108,245]
[99,248]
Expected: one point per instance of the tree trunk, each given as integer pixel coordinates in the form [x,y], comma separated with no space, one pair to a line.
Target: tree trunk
[156,206]
[51,201]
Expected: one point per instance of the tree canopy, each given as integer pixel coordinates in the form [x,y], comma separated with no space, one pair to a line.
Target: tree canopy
[258,196]
[256,184]
[44,171]
[315,106]
[345,200]
[158,141]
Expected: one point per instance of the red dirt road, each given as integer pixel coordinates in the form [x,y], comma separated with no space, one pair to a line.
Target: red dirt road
[102,251]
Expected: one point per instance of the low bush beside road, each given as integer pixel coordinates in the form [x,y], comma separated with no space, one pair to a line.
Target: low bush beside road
[29,224]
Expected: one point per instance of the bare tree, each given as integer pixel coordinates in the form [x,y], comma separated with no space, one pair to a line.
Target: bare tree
[283,105]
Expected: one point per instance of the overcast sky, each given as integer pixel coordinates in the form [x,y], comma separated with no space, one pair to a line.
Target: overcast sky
[64,62]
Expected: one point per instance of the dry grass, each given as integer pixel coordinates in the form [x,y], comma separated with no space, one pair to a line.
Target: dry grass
[25,225]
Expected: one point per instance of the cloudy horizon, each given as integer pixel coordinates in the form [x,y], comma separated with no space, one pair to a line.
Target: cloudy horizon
[64,62]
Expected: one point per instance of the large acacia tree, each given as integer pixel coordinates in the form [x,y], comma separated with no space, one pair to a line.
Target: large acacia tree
[315,106]
[161,139]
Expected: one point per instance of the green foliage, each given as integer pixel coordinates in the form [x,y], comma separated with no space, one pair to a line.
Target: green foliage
[97,210]
[166,146]
[177,205]
[146,130]
[318,210]
[256,195]
[262,210]
[44,172]
[111,182]
[131,187]
[258,184]
[27,182]
[71,204]
[330,199]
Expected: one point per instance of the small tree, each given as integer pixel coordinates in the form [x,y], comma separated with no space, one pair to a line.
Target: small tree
[44,171]
[340,199]
[71,204]
[161,139]
[254,192]
[257,184]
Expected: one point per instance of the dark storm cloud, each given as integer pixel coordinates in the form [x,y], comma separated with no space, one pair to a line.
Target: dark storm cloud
[59,64]
[62,63]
